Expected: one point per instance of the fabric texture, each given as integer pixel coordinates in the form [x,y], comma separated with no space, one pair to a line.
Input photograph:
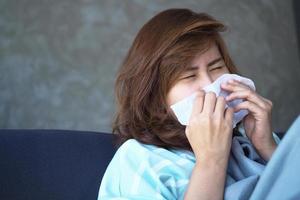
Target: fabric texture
[140,171]
[280,179]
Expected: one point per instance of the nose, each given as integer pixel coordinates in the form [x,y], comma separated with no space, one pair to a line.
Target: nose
[206,79]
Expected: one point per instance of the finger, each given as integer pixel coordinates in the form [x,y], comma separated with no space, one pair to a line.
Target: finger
[233,85]
[198,103]
[251,107]
[209,102]
[269,102]
[237,82]
[250,96]
[247,93]
[220,106]
[229,115]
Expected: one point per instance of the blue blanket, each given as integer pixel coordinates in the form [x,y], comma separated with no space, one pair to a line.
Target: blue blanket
[248,177]
[280,179]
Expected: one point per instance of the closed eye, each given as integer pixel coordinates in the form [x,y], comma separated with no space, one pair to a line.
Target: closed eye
[191,76]
[220,67]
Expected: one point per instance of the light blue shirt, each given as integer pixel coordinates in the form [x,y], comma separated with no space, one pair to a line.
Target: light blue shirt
[140,171]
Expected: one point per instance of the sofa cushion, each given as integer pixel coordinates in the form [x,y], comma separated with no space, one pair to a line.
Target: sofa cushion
[53,164]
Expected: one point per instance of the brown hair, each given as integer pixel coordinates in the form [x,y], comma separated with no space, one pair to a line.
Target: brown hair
[161,51]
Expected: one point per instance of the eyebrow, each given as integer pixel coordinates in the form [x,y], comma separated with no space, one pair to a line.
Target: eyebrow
[192,68]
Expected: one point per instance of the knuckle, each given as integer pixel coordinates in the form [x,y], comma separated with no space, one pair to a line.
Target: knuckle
[211,94]
[246,103]
[268,106]
[199,94]
[249,92]
[270,103]
[227,124]
[202,92]
[217,120]
[221,98]
[265,107]
[230,111]
[206,117]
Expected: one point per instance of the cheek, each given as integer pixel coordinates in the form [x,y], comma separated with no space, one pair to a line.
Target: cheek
[179,92]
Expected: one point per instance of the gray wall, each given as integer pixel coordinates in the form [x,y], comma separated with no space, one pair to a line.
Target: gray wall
[58,59]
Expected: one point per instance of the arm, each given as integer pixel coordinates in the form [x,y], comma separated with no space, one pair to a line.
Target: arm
[207,182]
[210,134]
[267,151]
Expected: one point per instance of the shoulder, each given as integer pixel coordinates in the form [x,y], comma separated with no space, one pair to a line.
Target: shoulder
[151,169]
[135,151]
[130,144]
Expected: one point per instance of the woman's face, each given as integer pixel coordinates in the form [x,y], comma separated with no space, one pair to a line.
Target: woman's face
[204,69]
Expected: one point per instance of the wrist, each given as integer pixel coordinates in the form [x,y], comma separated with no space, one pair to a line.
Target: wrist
[266,151]
[211,163]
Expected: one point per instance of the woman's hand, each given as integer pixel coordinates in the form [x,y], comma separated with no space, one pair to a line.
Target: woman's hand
[257,123]
[210,129]
[210,134]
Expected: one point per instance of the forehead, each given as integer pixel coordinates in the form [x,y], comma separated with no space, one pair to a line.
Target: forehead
[205,57]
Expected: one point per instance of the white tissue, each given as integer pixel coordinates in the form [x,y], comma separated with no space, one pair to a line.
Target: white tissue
[183,108]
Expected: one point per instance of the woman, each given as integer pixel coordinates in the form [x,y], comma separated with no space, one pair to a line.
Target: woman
[175,54]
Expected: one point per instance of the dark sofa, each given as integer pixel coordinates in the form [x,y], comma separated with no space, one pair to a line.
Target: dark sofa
[52,164]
